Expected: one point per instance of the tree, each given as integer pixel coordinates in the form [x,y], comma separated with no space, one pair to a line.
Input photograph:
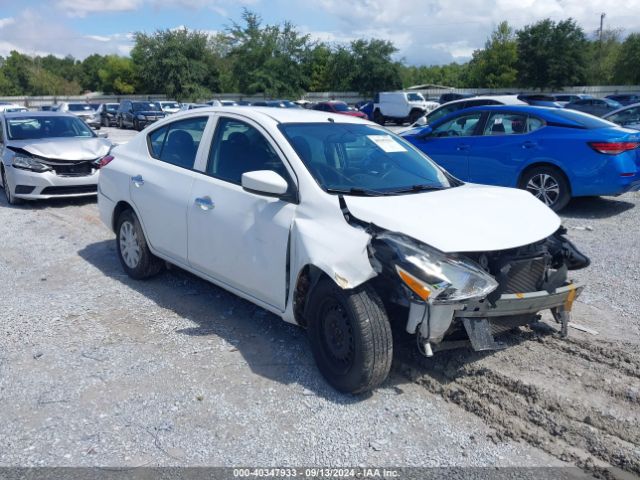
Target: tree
[90,66]
[602,56]
[374,68]
[551,55]
[117,75]
[268,59]
[17,68]
[627,65]
[495,65]
[178,63]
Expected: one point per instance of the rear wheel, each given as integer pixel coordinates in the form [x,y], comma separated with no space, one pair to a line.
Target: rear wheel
[133,250]
[350,336]
[414,116]
[11,199]
[378,117]
[549,185]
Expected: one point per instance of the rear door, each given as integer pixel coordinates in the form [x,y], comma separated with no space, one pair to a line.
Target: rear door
[449,142]
[507,142]
[161,184]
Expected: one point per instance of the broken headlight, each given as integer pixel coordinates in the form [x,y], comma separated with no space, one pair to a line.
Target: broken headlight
[29,163]
[435,276]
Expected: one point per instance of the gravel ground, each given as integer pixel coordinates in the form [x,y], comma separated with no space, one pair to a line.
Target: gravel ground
[98,369]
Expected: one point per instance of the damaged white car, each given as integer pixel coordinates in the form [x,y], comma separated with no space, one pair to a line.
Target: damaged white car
[327,220]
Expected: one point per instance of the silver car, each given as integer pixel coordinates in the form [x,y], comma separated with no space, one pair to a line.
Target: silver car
[628,117]
[48,154]
[85,111]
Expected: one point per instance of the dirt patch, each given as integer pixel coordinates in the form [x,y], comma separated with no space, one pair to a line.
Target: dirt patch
[576,399]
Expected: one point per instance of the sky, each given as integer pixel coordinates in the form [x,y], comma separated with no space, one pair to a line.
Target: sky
[426,32]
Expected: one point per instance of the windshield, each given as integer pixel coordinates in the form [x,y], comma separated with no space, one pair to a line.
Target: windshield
[79,107]
[170,104]
[145,107]
[584,119]
[28,128]
[415,97]
[112,107]
[341,107]
[362,159]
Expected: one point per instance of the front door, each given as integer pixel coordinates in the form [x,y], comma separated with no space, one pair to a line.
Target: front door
[238,237]
[449,143]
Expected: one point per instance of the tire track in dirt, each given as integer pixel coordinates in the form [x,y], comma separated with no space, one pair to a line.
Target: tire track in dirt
[576,400]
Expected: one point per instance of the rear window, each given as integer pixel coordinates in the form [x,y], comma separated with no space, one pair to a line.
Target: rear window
[415,97]
[585,120]
[79,107]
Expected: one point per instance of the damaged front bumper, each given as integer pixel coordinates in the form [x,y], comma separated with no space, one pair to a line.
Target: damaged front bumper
[482,319]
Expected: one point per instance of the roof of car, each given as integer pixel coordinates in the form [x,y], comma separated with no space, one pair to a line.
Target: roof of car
[617,110]
[282,115]
[37,113]
[505,99]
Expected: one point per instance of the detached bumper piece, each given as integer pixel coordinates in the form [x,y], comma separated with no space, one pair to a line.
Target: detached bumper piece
[482,320]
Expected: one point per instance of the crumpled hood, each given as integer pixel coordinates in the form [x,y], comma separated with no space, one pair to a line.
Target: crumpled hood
[469,218]
[71,149]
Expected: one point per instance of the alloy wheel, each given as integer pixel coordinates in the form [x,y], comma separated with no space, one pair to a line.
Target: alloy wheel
[129,245]
[544,187]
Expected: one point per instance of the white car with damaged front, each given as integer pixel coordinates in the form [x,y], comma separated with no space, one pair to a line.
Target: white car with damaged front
[325,220]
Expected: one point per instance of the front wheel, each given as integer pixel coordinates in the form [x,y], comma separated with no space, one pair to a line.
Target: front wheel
[133,250]
[350,336]
[549,185]
[11,199]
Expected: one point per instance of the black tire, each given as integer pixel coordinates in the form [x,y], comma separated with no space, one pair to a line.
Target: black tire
[104,122]
[11,200]
[147,264]
[414,116]
[549,185]
[136,125]
[378,117]
[350,336]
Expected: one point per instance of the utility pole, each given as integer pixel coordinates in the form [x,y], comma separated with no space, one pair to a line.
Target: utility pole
[602,15]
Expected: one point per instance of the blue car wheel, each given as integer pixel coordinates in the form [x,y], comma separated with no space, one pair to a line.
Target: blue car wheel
[548,185]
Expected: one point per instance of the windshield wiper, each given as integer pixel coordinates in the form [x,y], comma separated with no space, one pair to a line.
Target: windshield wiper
[419,188]
[364,192]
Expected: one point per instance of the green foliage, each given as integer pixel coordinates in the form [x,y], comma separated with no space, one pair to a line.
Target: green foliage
[177,63]
[117,75]
[495,65]
[250,57]
[552,55]
[627,65]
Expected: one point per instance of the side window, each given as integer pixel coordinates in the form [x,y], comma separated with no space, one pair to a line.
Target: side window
[626,117]
[506,124]
[462,126]
[239,148]
[1,131]
[534,123]
[177,143]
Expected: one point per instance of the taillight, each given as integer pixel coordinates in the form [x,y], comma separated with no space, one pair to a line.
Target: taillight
[104,161]
[613,148]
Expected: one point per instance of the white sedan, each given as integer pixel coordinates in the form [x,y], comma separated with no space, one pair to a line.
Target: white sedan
[326,220]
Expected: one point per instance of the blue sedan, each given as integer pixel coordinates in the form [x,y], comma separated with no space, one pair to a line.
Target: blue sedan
[555,154]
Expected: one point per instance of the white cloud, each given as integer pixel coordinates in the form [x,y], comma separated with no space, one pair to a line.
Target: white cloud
[440,31]
[33,33]
[6,21]
[81,8]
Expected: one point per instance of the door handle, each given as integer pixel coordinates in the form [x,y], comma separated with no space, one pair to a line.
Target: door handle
[463,148]
[138,181]
[205,203]
[529,144]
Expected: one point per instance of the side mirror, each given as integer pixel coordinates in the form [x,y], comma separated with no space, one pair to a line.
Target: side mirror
[103,134]
[264,182]
[422,121]
[425,132]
